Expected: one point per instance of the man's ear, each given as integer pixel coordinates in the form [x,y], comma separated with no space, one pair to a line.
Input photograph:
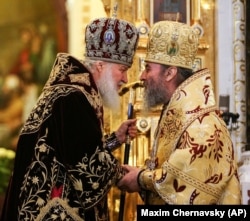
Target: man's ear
[170,73]
[99,66]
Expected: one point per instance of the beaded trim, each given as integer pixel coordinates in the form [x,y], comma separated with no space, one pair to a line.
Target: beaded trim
[112,142]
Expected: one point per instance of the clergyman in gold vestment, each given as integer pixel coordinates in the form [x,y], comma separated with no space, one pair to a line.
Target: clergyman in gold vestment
[192,159]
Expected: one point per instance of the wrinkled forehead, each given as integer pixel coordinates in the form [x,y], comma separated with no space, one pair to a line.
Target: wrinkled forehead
[122,67]
[152,65]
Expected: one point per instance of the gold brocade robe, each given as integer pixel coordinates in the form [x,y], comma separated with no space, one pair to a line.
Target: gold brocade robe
[193,157]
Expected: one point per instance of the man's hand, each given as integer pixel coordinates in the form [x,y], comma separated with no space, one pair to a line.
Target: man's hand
[129,181]
[128,127]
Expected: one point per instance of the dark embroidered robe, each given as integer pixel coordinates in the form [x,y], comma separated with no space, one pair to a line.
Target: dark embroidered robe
[62,169]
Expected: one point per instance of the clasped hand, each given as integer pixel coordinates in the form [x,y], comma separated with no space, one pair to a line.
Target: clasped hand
[129,181]
[128,127]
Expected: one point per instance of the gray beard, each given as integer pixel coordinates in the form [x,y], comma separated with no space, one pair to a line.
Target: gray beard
[154,94]
[108,91]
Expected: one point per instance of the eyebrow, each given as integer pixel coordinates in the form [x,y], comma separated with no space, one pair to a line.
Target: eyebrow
[124,67]
[147,66]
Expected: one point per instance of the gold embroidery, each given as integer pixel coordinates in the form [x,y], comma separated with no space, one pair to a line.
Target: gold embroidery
[60,204]
[216,192]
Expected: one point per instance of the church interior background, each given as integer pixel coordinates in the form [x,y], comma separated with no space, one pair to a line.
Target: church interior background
[42,28]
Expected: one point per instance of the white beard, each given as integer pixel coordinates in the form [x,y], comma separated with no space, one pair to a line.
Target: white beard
[108,90]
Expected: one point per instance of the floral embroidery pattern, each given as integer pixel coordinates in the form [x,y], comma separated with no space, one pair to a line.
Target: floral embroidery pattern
[177,187]
[195,152]
[51,190]
[41,185]
[96,169]
[217,145]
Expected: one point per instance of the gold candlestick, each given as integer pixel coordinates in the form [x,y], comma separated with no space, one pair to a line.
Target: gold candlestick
[195,10]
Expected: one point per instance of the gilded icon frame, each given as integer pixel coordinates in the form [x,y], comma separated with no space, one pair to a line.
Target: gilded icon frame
[175,10]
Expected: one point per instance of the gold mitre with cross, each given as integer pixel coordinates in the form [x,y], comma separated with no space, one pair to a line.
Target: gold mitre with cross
[172,43]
